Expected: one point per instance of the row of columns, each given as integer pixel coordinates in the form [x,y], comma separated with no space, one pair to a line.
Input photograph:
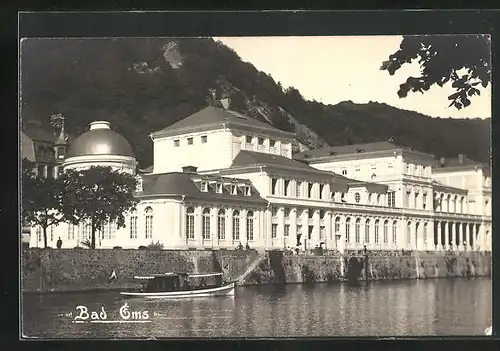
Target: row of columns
[455,236]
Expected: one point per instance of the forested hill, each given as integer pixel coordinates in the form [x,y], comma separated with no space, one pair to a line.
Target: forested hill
[144,85]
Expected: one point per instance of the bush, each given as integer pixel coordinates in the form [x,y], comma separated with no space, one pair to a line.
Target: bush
[86,243]
[142,247]
[117,248]
[78,248]
[155,246]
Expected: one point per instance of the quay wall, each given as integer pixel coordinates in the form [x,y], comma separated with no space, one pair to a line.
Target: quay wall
[45,270]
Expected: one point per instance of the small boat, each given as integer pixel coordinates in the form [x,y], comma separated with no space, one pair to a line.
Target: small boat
[181,285]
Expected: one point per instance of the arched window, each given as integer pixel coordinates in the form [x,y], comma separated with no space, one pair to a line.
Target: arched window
[448,203]
[221,224]
[386,231]
[367,231]
[337,225]
[348,230]
[39,233]
[133,227]
[462,204]
[149,222]
[378,200]
[408,233]
[206,224]
[236,225]
[369,199]
[250,225]
[455,200]
[357,228]
[441,203]
[71,231]
[357,197]
[377,224]
[190,223]
[394,232]
[424,234]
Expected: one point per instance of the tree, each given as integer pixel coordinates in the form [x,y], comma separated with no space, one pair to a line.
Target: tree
[465,60]
[41,199]
[98,195]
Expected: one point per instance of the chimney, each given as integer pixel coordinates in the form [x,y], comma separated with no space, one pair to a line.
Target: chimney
[189,169]
[99,125]
[226,103]
[441,161]
[461,158]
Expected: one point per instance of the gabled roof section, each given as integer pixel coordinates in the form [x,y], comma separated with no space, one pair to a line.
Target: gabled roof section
[462,162]
[247,158]
[212,117]
[177,184]
[353,149]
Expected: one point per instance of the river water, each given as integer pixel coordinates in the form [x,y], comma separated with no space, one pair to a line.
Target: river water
[389,308]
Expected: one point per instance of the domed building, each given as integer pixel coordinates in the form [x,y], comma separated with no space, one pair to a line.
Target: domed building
[101,146]
[220,179]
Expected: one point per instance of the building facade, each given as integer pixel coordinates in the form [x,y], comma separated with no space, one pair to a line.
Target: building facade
[221,179]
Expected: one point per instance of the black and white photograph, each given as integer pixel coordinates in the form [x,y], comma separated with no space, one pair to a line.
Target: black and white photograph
[255,186]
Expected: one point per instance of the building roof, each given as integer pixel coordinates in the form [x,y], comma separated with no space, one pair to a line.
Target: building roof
[213,116]
[440,186]
[462,162]
[27,148]
[189,185]
[100,140]
[36,131]
[350,150]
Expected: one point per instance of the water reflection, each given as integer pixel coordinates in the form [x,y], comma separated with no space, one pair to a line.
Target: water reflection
[426,307]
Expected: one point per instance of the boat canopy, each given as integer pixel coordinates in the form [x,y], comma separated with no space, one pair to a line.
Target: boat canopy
[203,275]
[152,276]
[171,274]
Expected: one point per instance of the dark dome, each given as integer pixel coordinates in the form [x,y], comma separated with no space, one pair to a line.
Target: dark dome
[100,140]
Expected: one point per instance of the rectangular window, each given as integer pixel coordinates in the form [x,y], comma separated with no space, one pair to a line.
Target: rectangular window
[274,183]
[250,229]
[344,171]
[386,234]
[190,141]
[287,229]
[221,227]
[287,184]
[50,172]
[310,232]
[234,190]
[321,188]
[424,201]
[274,232]
[177,142]
[260,141]
[297,190]
[71,231]
[309,189]
[425,233]
[391,199]
[248,191]
[149,226]
[337,226]
[415,200]
[203,139]
[206,227]
[236,228]
[272,143]
[394,233]
[204,186]
[133,227]
[248,139]
[190,226]
[376,233]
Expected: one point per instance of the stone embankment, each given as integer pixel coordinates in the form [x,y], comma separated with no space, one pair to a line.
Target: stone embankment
[82,269]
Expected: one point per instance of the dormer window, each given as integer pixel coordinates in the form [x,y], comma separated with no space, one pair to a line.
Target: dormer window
[248,139]
[272,143]
[260,141]
[203,139]
[190,141]
[248,191]
[218,188]
[177,143]
[204,186]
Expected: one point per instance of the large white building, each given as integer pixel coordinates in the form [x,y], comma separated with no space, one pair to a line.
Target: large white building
[220,179]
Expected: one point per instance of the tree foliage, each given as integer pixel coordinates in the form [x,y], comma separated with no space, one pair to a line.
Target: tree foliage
[98,195]
[42,199]
[463,60]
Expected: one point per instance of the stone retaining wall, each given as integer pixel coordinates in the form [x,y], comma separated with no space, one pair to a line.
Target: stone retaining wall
[83,269]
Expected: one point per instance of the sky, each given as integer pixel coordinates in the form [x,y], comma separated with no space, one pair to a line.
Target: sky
[335,69]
